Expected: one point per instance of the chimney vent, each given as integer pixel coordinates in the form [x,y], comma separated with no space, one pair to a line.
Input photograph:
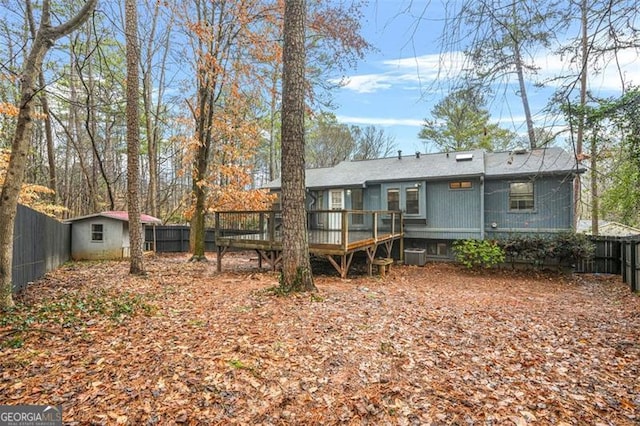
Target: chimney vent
[417,154]
[399,154]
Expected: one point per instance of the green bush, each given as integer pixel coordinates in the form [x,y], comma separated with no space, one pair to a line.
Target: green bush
[571,246]
[478,253]
[532,249]
[565,246]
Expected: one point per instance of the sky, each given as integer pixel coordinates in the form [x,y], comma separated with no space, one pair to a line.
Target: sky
[396,86]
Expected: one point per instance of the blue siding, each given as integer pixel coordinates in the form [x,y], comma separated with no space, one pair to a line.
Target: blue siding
[552,207]
[453,208]
[451,214]
[372,198]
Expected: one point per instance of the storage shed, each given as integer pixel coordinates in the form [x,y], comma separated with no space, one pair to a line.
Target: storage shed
[103,236]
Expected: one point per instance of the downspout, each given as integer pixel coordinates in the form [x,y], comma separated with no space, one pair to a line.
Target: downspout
[314,199]
[482,207]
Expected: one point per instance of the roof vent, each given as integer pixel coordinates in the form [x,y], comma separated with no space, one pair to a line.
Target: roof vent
[417,154]
[399,154]
[464,157]
[520,150]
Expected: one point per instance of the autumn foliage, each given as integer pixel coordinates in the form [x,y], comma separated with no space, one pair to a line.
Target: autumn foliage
[8,109]
[31,195]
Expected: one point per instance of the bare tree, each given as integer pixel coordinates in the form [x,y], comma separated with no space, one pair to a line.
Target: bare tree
[43,41]
[372,142]
[296,267]
[499,38]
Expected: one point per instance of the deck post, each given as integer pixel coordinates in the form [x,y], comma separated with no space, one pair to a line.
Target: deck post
[401,239]
[346,263]
[375,226]
[217,222]
[393,223]
[345,229]
[272,226]
[371,252]
[261,227]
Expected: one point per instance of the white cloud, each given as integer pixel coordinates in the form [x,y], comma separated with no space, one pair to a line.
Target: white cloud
[404,73]
[604,76]
[379,121]
[366,83]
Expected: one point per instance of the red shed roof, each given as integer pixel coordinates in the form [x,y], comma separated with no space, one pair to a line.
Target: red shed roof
[119,215]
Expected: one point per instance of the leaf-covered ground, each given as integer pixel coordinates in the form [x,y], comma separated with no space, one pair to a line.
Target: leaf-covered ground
[432,345]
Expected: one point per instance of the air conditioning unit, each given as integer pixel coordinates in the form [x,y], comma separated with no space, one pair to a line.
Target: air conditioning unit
[415,257]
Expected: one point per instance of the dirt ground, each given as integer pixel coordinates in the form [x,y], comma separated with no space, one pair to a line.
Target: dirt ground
[424,345]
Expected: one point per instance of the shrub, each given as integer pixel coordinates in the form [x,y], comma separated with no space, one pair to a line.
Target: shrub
[565,246]
[572,246]
[478,253]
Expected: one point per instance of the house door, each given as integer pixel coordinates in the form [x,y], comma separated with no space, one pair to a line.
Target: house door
[336,202]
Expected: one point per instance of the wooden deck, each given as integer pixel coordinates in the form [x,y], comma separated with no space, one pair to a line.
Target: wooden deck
[333,234]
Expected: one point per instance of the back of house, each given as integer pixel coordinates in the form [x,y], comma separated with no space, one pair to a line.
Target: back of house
[450,196]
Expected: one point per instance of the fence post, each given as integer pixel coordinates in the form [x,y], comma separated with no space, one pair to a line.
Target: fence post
[623,260]
[634,265]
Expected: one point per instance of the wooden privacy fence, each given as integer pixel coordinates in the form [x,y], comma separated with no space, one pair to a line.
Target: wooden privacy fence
[630,263]
[40,244]
[175,239]
[615,255]
[606,257]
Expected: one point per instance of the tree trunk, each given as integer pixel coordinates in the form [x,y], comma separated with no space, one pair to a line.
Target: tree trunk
[521,81]
[595,216]
[152,114]
[44,103]
[272,118]
[133,138]
[43,41]
[525,100]
[577,204]
[296,267]
[199,194]
[48,129]
[198,225]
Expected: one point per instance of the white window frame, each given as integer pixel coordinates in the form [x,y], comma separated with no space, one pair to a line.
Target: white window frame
[522,201]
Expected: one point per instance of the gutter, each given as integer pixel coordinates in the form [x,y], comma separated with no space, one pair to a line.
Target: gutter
[482,221]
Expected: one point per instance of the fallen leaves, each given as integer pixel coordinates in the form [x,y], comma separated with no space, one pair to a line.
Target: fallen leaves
[432,345]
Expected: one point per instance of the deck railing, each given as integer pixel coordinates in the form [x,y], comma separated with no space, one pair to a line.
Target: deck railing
[326,227]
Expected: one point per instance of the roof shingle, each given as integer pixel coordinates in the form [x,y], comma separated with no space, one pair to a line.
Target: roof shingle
[438,166]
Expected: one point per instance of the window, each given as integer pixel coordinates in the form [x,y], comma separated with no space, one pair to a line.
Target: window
[460,185]
[412,202]
[393,199]
[521,196]
[277,203]
[357,203]
[97,232]
[438,249]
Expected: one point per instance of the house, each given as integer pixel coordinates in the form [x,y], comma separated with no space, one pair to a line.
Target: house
[459,195]
[103,235]
[608,229]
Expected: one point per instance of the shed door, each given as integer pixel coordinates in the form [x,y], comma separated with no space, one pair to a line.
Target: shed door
[336,202]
